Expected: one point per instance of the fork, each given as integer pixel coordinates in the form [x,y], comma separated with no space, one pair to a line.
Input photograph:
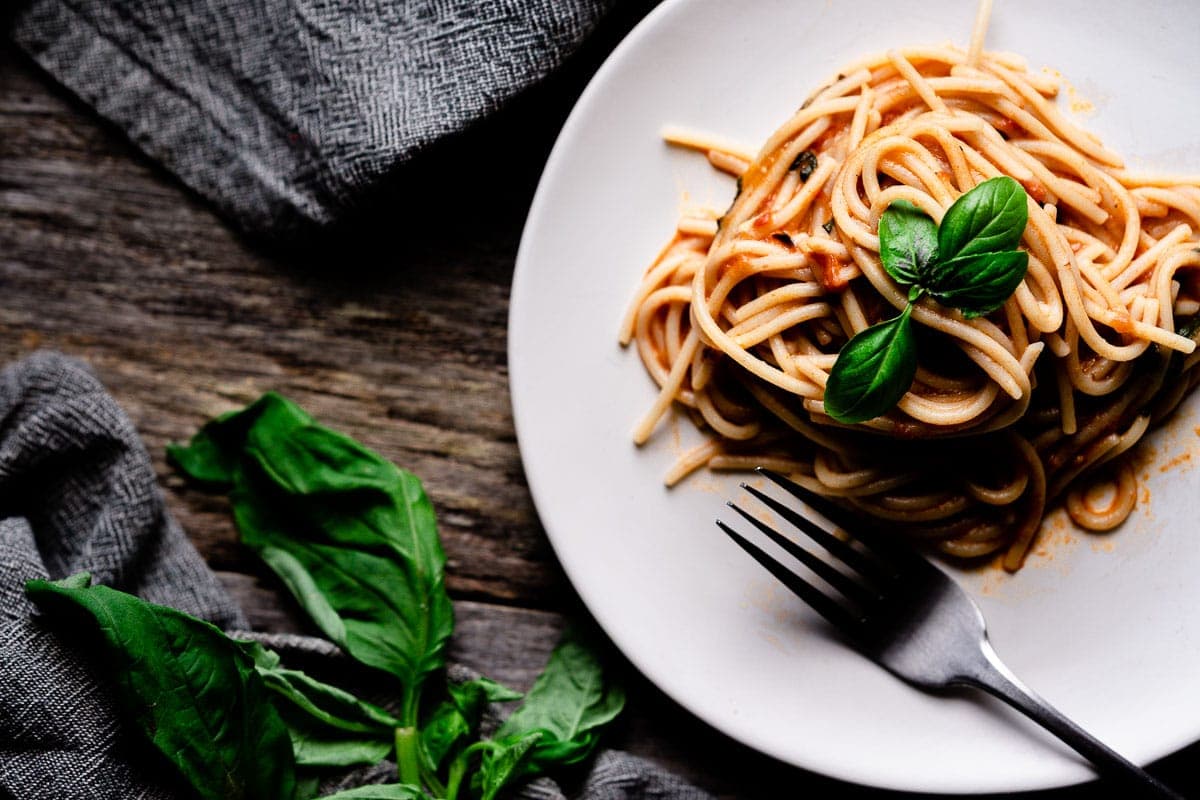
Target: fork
[911,618]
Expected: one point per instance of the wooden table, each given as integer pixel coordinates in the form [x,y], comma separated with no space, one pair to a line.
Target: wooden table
[391,330]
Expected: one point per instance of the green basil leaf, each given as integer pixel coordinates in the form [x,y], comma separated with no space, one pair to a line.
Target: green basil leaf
[569,703]
[504,761]
[317,746]
[990,218]
[213,454]
[873,371]
[908,242]
[191,690]
[352,536]
[383,791]
[456,721]
[471,697]
[980,284]
[444,730]
[329,727]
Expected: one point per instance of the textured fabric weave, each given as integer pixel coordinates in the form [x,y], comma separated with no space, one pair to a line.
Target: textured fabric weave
[285,113]
[78,492]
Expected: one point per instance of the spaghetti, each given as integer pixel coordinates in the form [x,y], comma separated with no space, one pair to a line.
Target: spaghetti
[740,318]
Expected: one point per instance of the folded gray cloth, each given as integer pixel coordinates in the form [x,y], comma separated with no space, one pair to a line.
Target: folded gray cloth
[78,492]
[285,112]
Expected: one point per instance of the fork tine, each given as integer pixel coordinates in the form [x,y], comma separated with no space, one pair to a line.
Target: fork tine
[850,589]
[838,516]
[824,506]
[832,611]
[866,567]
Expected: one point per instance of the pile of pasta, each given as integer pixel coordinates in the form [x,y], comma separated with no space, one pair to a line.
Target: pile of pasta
[740,318]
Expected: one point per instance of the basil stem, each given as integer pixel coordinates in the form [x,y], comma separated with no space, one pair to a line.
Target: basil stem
[408,762]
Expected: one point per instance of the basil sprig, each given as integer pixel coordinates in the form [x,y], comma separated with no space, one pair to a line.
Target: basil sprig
[349,533]
[354,539]
[969,262]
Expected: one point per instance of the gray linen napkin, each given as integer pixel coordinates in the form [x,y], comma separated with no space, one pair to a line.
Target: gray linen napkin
[78,492]
[285,113]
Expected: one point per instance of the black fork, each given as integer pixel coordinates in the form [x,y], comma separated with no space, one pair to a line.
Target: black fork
[909,616]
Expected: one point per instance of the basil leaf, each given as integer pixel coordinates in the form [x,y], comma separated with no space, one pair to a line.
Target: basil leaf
[328,726]
[190,689]
[352,536]
[471,697]
[804,163]
[569,703]
[988,219]
[457,720]
[908,242]
[443,731]
[383,791]
[1188,327]
[503,761]
[873,371]
[213,455]
[980,284]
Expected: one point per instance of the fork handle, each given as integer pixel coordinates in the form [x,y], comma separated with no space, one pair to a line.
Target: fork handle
[991,675]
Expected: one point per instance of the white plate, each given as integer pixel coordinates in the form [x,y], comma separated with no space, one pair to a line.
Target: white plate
[1106,628]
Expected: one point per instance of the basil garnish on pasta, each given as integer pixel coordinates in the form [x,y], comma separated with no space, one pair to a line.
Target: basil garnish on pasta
[968,262]
[873,371]
[741,325]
